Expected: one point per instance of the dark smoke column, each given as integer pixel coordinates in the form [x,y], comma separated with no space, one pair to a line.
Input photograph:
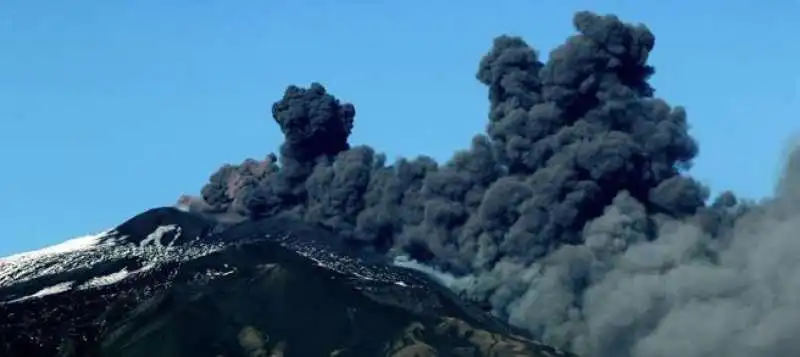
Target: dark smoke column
[314,123]
[315,126]
[575,132]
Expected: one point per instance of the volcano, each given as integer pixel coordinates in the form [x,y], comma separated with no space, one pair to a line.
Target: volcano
[174,283]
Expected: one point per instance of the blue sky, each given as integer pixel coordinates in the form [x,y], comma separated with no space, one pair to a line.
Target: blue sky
[108,108]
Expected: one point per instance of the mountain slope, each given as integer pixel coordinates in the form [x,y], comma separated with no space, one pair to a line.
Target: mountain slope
[170,283]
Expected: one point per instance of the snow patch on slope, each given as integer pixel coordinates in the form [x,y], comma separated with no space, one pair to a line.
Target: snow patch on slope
[107,279]
[156,237]
[72,245]
[84,252]
[50,290]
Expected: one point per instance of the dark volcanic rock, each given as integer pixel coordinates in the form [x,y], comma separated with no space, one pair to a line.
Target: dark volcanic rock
[170,283]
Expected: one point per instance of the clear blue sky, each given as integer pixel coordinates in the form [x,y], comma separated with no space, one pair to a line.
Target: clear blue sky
[108,108]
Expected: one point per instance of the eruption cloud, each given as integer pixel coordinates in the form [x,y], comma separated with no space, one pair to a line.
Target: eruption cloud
[573,216]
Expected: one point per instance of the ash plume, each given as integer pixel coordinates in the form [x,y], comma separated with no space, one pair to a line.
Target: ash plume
[573,216]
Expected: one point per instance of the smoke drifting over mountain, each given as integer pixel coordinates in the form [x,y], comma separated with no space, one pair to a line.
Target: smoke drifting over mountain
[572,216]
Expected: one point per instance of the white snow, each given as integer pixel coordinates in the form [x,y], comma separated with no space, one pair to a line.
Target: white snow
[155,236]
[15,266]
[107,279]
[50,290]
[88,251]
[72,245]
[114,277]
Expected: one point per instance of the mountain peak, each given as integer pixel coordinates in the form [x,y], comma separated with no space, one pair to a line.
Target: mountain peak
[168,282]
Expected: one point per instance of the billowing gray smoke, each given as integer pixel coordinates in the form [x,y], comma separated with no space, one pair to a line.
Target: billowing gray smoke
[572,217]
